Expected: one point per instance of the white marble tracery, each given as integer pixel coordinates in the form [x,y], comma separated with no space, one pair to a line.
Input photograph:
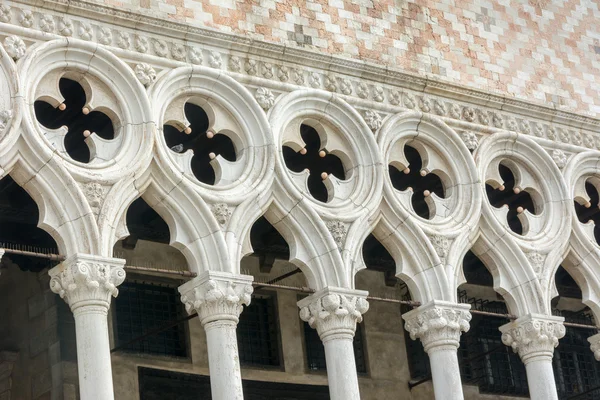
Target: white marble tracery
[259,104]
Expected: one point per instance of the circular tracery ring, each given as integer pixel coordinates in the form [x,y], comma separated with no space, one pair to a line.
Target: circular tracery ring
[107,86]
[243,166]
[341,153]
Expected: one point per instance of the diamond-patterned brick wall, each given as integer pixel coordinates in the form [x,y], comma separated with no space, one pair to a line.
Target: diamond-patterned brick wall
[543,50]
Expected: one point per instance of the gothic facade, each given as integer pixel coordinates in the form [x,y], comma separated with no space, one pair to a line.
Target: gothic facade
[156,139]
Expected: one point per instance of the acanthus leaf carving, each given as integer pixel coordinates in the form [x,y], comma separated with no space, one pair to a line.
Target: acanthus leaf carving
[334,312]
[95,194]
[536,260]
[373,120]
[338,230]
[595,345]
[222,213]
[441,244]
[533,335]
[560,158]
[145,73]
[87,280]
[470,140]
[438,324]
[265,98]
[217,296]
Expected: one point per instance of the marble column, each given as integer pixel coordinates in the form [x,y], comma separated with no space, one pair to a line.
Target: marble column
[534,337]
[334,312]
[439,324]
[218,298]
[87,283]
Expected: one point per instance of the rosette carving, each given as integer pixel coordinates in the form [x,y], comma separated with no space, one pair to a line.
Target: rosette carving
[438,324]
[87,280]
[334,312]
[533,335]
[217,296]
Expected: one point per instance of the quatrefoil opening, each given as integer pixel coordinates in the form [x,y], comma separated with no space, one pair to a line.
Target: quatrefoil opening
[416,174]
[80,117]
[317,160]
[587,206]
[203,138]
[510,189]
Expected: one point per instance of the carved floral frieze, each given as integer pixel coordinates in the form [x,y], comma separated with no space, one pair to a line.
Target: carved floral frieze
[380,95]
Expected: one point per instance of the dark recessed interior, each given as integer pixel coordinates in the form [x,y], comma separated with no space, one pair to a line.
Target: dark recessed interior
[330,164]
[268,244]
[499,198]
[199,143]
[379,259]
[18,227]
[144,223]
[418,183]
[593,212]
[74,119]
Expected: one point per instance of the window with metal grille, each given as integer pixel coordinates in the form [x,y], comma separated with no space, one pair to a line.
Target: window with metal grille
[487,362]
[257,333]
[141,308]
[483,359]
[575,369]
[315,352]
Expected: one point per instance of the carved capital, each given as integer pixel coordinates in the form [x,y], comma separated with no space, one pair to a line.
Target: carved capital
[334,312]
[84,279]
[438,324]
[217,296]
[595,345]
[533,336]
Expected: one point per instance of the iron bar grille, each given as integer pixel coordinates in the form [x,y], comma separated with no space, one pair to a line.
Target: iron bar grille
[575,369]
[257,333]
[495,369]
[141,307]
[315,352]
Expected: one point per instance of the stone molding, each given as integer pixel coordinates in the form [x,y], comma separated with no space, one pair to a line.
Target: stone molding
[334,312]
[217,296]
[87,280]
[371,81]
[533,336]
[438,324]
[595,345]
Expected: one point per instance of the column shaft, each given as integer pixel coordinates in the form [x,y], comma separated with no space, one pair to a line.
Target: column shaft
[93,353]
[445,374]
[87,283]
[218,298]
[341,369]
[540,378]
[439,324]
[534,337]
[334,312]
[223,360]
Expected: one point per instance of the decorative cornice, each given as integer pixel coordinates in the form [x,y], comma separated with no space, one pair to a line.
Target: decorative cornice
[217,296]
[438,324]
[533,336]
[334,312]
[276,62]
[87,280]
[595,345]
